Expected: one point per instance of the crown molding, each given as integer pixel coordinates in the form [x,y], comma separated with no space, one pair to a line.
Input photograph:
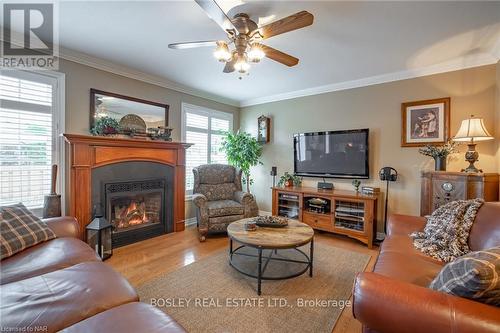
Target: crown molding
[108,66]
[453,65]
[101,64]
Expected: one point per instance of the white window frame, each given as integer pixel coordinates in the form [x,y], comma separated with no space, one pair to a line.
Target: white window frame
[58,82]
[200,110]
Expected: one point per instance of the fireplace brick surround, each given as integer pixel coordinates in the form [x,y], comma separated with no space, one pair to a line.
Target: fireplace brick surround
[88,153]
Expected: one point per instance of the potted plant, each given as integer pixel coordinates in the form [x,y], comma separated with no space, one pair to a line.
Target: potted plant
[289,180]
[356,183]
[105,126]
[439,153]
[242,151]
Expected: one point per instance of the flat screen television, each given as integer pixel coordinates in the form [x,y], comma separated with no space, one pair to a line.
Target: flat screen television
[332,154]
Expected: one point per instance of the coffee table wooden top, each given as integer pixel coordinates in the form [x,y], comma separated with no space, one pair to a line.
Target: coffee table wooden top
[293,235]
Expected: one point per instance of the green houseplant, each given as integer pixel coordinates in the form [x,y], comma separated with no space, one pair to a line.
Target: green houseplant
[289,180]
[105,126]
[242,151]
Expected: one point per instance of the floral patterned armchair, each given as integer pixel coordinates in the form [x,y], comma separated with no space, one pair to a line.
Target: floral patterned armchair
[219,198]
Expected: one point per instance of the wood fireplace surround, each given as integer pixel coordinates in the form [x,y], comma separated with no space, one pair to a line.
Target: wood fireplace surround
[89,152]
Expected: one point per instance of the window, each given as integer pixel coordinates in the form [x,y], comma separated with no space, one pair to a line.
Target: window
[204,129]
[29,140]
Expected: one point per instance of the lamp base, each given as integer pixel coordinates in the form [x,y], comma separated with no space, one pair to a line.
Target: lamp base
[471,156]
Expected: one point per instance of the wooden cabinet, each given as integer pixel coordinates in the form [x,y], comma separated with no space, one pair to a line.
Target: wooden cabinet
[440,187]
[342,212]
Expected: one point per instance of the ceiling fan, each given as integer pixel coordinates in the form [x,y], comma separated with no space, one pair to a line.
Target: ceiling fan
[246,36]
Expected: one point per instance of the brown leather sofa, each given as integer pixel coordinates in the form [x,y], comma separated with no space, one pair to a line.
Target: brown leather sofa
[394,298]
[62,285]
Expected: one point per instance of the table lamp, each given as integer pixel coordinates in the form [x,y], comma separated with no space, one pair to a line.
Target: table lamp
[472,130]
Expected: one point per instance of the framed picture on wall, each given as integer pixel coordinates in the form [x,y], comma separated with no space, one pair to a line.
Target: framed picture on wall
[263,129]
[425,122]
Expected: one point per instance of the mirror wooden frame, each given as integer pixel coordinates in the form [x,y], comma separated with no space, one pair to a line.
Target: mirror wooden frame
[93,92]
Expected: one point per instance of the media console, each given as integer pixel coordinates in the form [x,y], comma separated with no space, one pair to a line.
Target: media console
[342,212]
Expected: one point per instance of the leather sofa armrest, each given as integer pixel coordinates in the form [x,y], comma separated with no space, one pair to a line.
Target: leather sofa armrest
[64,226]
[390,306]
[199,200]
[243,198]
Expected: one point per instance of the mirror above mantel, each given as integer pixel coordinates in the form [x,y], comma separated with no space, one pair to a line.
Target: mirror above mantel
[117,106]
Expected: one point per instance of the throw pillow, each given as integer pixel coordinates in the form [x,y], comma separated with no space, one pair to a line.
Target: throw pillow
[20,229]
[475,275]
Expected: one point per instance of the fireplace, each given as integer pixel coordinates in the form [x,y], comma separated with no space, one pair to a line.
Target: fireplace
[137,205]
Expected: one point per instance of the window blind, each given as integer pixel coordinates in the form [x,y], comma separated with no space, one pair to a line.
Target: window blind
[204,129]
[26,141]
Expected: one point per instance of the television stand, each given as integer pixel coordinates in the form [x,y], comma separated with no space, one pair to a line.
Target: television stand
[338,211]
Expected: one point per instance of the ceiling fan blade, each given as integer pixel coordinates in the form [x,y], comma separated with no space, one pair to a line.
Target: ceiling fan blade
[293,22]
[216,14]
[229,68]
[279,56]
[190,45]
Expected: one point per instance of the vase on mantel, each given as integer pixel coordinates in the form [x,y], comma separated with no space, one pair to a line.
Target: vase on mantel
[440,163]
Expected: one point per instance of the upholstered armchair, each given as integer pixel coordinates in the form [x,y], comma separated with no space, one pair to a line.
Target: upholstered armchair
[219,198]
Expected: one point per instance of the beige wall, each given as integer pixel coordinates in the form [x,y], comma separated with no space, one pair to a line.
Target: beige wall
[80,78]
[378,108]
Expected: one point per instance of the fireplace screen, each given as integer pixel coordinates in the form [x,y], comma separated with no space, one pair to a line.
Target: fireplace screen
[135,204]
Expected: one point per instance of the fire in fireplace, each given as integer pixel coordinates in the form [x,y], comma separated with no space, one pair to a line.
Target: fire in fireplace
[135,211]
[135,205]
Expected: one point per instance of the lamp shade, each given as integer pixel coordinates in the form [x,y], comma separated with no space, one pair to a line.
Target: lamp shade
[472,129]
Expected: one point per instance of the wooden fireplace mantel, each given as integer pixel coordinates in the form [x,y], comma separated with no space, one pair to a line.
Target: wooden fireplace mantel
[87,152]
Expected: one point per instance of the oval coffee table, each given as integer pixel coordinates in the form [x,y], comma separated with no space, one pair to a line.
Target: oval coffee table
[264,243]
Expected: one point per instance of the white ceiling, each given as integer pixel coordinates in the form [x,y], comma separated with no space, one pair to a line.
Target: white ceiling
[348,42]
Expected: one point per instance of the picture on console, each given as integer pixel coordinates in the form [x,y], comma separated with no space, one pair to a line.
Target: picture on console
[336,154]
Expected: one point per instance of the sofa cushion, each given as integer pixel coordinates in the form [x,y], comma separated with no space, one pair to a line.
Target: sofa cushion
[404,224]
[46,257]
[485,232]
[20,229]
[224,191]
[407,268]
[130,317]
[404,245]
[224,208]
[62,298]
[474,275]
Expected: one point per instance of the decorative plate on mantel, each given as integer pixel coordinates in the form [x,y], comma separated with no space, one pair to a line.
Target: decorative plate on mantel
[132,123]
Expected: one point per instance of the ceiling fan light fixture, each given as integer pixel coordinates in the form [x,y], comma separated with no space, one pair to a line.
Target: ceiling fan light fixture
[242,65]
[256,53]
[222,53]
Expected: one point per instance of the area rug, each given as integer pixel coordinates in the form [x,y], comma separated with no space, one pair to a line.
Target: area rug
[210,296]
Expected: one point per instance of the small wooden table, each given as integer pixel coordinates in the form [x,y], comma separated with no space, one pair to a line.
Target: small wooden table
[290,238]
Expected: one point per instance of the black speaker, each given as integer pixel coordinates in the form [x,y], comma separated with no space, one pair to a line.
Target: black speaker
[387,174]
[274,172]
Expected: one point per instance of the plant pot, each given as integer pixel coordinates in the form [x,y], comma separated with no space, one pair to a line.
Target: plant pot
[289,183]
[440,163]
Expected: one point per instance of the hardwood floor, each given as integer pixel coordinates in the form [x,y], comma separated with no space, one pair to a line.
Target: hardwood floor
[144,261]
